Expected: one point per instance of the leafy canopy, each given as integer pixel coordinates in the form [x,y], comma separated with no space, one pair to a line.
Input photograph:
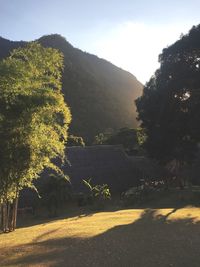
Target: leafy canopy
[170,105]
[33,115]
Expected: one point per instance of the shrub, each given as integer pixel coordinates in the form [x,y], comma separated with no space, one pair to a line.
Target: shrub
[98,194]
[146,191]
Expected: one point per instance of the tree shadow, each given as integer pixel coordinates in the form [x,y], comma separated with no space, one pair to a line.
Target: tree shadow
[40,237]
[75,213]
[153,240]
[36,220]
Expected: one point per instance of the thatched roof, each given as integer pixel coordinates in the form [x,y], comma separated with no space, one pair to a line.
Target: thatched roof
[104,164]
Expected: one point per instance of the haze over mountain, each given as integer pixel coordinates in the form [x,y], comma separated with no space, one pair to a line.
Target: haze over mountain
[100,95]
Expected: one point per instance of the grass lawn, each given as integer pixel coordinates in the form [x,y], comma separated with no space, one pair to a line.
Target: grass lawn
[132,237]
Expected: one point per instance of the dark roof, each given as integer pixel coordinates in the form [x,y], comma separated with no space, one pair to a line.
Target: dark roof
[104,164]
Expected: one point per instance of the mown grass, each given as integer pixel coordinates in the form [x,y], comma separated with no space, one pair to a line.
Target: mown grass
[132,237]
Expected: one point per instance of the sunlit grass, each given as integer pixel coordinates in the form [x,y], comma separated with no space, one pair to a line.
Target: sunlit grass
[82,226]
[173,215]
[85,226]
[45,241]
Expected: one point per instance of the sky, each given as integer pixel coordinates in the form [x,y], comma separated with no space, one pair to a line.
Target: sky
[130,34]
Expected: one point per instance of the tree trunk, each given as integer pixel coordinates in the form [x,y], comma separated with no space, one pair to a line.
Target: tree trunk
[4,217]
[15,206]
[1,214]
[13,221]
[8,216]
[180,182]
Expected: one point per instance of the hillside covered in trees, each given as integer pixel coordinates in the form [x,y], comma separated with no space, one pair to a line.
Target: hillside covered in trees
[99,94]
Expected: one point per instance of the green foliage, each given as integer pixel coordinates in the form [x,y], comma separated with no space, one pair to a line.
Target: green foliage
[100,192]
[125,137]
[100,139]
[55,192]
[131,139]
[141,136]
[75,141]
[147,191]
[33,116]
[170,105]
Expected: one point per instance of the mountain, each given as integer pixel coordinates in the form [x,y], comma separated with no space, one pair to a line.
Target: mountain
[101,96]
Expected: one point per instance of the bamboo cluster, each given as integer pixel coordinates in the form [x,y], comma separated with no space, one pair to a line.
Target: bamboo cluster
[8,215]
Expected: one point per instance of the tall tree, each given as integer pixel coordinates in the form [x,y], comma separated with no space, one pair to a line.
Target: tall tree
[33,121]
[169,109]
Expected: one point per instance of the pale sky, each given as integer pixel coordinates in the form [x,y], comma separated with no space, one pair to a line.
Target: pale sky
[130,34]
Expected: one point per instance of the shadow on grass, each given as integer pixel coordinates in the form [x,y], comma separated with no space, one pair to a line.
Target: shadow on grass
[27,221]
[78,212]
[151,241]
[38,238]
[172,198]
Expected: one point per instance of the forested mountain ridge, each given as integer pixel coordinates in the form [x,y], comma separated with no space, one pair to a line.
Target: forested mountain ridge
[100,95]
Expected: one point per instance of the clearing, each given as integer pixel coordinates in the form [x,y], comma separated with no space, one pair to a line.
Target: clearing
[132,237]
